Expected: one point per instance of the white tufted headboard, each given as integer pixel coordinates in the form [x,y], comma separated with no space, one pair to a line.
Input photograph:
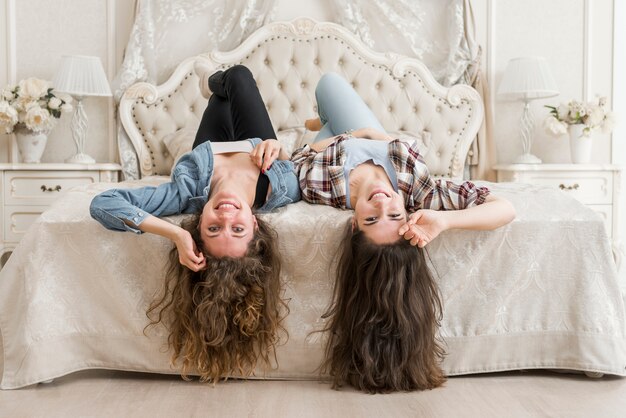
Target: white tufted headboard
[287,60]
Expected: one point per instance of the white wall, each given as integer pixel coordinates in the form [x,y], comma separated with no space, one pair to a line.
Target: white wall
[619,84]
[5,66]
[576,36]
[38,33]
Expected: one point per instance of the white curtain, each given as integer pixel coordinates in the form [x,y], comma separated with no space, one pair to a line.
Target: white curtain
[166,32]
[431,30]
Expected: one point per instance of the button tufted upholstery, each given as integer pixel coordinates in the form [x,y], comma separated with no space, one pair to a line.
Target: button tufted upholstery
[181,108]
[287,60]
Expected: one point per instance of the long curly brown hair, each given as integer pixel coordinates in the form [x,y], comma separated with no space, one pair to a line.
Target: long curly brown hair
[225,318]
[384,317]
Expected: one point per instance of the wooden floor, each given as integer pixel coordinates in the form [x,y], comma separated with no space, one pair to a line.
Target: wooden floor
[100,393]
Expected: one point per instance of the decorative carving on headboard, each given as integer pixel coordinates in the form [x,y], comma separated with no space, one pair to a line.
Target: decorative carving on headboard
[303,26]
[287,59]
[145,91]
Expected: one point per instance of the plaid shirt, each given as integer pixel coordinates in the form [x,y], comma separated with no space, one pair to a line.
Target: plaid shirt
[322,179]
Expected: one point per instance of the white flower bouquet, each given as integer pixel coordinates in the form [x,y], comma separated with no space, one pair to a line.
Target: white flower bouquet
[591,115]
[32,105]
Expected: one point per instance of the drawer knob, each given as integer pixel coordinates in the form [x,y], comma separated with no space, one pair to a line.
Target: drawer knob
[575,186]
[57,188]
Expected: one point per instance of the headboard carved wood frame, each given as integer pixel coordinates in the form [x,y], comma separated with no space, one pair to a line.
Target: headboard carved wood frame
[287,59]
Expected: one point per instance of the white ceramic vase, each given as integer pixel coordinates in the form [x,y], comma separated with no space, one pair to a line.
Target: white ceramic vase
[31,145]
[580,145]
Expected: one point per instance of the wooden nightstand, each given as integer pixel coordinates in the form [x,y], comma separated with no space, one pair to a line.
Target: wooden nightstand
[28,189]
[595,185]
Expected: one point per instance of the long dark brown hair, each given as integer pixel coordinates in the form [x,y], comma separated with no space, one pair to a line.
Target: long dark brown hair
[225,318]
[384,318]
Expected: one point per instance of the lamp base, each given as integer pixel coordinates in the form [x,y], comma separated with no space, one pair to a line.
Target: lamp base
[80,159]
[527,159]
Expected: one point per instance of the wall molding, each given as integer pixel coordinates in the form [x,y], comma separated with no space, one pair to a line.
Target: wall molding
[491,56]
[11,43]
[11,35]
[110,70]
[587,50]
[618,139]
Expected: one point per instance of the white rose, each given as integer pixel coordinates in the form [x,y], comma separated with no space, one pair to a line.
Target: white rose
[33,87]
[38,119]
[555,126]
[65,97]
[596,116]
[30,104]
[54,103]
[66,108]
[576,110]
[563,111]
[8,94]
[609,123]
[22,104]
[8,116]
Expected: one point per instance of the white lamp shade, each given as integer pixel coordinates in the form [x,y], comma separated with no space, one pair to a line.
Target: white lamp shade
[527,78]
[81,75]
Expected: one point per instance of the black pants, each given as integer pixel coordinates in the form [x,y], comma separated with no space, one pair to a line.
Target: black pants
[235,111]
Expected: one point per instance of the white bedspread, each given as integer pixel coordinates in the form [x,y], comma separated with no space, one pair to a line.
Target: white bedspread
[541,292]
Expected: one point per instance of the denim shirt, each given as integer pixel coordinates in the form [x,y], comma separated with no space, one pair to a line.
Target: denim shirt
[187,192]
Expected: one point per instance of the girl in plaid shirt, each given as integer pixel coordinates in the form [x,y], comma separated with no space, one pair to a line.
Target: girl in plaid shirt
[386,307]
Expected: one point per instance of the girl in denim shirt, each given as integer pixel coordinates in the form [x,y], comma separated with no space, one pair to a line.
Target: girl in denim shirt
[222,291]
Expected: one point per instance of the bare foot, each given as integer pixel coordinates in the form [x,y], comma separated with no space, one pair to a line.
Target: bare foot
[313,124]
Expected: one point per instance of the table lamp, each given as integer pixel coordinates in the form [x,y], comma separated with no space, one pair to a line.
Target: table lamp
[527,79]
[81,76]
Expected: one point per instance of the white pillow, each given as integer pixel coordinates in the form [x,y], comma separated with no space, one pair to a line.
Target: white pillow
[290,139]
[422,139]
[307,138]
[179,143]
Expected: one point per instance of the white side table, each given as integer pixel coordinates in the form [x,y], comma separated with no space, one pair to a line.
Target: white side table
[596,185]
[29,189]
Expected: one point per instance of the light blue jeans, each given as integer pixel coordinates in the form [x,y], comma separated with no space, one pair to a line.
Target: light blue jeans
[340,108]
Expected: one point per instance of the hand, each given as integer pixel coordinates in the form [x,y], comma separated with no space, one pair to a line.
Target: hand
[188,254]
[422,227]
[265,153]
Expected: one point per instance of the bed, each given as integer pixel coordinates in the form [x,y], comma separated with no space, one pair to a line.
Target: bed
[541,292]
